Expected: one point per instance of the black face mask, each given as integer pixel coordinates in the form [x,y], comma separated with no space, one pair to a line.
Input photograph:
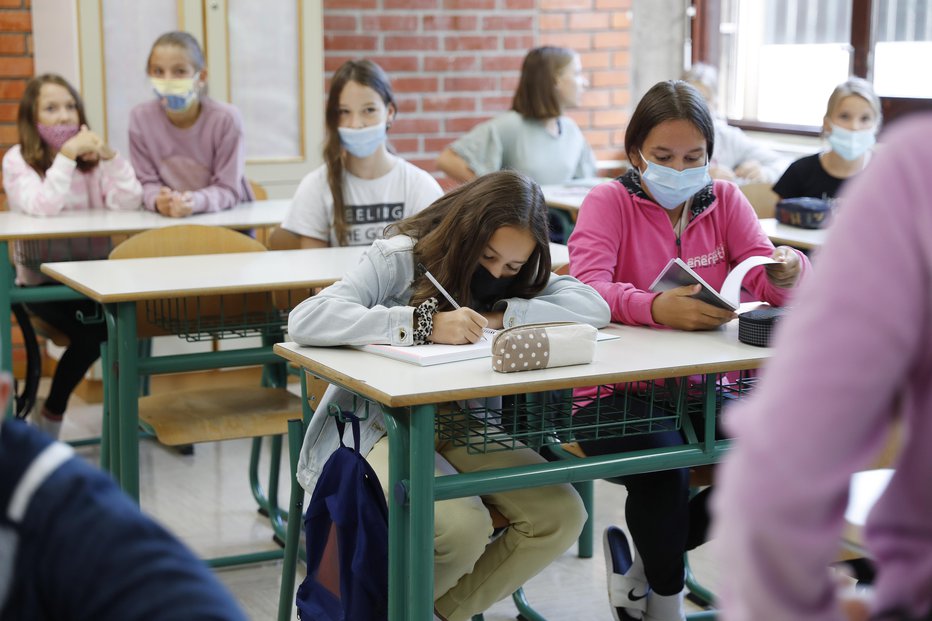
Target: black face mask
[488,289]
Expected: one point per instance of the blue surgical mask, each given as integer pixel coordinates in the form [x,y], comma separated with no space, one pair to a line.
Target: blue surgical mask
[851,144]
[177,93]
[670,187]
[363,142]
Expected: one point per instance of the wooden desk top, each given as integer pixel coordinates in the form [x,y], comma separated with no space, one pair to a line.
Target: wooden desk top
[129,280]
[806,239]
[18,226]
[638,354]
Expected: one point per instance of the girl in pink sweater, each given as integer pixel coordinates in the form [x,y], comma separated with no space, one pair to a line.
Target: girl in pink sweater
[61,166]
[627,231]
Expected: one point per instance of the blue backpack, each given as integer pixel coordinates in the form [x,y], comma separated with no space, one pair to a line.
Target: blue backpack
[346,525]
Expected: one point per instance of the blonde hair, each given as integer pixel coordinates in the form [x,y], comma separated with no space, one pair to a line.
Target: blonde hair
[855,86]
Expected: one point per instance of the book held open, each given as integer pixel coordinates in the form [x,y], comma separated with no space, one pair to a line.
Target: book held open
[678,274]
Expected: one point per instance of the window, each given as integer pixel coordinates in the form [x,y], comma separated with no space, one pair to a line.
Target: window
[780,59]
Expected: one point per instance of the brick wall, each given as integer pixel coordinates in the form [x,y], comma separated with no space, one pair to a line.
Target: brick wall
[454,63]
[15,65]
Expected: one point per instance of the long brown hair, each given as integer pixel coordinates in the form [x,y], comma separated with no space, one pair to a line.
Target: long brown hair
[536,95]
[34,150]
[366,73]
[453,232]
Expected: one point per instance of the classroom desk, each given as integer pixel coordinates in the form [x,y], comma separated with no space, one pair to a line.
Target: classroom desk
[100,223]
[119,285]
[565,199]
[409,395]
[805,239]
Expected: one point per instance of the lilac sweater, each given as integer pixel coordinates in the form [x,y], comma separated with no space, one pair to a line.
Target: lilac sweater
[207,159]
[856,345]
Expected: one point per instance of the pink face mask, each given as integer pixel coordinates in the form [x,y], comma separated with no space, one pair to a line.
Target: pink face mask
[57,135]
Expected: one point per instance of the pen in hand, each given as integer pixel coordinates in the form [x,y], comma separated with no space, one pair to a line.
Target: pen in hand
[440,288]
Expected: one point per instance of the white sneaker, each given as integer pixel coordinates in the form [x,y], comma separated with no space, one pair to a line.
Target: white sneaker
[627,592]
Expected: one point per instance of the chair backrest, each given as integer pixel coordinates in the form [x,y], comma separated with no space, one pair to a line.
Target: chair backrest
[186,315]
[283,239]
[762,198]
[258,190]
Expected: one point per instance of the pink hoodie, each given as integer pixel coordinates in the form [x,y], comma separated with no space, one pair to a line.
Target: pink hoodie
[623,240]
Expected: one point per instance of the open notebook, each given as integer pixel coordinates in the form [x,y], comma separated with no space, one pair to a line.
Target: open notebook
[436,353]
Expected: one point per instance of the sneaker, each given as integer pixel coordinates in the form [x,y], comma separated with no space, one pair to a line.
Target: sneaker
[627,594]
[664,607]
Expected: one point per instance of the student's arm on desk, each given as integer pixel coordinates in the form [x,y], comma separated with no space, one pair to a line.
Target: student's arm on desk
[120,187]
[229,166]
[563,299]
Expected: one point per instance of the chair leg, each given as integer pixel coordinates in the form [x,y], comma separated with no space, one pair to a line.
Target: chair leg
[587,493]
[525,612]
[296,511]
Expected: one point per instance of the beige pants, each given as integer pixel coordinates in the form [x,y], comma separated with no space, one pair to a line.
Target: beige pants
[470,573]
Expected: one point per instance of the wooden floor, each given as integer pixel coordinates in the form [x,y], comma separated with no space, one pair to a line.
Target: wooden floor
[205,500]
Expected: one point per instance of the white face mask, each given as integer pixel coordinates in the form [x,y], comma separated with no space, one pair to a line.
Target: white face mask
[364,141]
[670,187]
[851,144]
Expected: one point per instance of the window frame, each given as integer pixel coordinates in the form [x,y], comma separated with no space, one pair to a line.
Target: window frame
[705,48]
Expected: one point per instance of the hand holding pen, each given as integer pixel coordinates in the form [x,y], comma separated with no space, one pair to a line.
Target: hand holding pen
[459,326]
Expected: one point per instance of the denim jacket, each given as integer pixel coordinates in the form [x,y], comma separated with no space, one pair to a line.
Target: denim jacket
[370,306]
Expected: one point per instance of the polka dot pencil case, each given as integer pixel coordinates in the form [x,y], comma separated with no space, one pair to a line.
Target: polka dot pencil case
[543,346]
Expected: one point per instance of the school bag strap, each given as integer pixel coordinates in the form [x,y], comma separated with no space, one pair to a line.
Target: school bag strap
[340,417]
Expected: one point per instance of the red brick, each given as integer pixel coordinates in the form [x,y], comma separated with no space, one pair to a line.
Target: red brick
[15,21]
[410,4]
[596,99]
[582,117]
[11,4]
[349,4]
[396,63]
[509,83]
[621,20]
[552,21]
[615,153]
[476,84]
[451,63]
[29,48]
[382,23]
[8,112]
[617,77]
[434,103]
[496,104]
[458,23]
[521,4]
[428,164]
[508,22]
[608,118]
[413,42]
[16,67]
[404,145]
[613,4]
[468,5]
[565,5]
[455,43]
[621,59]
[461,125]
[332,62]
[502,63]
[12,44]
[359,43]
[437,143]
[339,22]
[415,85]
[608,40]
[597,138]
[575,40]
[8,135]
[12,89]
[621,97]
[595,60]
[518,42]
[416,126]
[588,21]
[407,104]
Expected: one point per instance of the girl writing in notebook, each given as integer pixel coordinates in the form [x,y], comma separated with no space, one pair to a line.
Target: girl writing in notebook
[61,166]
[486,242]
[188,149]
[667,206]
[361,188]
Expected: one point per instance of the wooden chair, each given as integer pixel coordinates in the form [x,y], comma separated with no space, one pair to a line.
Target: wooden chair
[762,198]
[207,415]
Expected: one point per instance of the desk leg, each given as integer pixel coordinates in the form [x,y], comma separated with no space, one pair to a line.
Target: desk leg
[421,510]
[397,422]
[128,398]
[6,324]
[110,452]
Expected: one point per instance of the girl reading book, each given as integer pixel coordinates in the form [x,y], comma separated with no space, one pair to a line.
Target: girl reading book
[486,242]
[667,206]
